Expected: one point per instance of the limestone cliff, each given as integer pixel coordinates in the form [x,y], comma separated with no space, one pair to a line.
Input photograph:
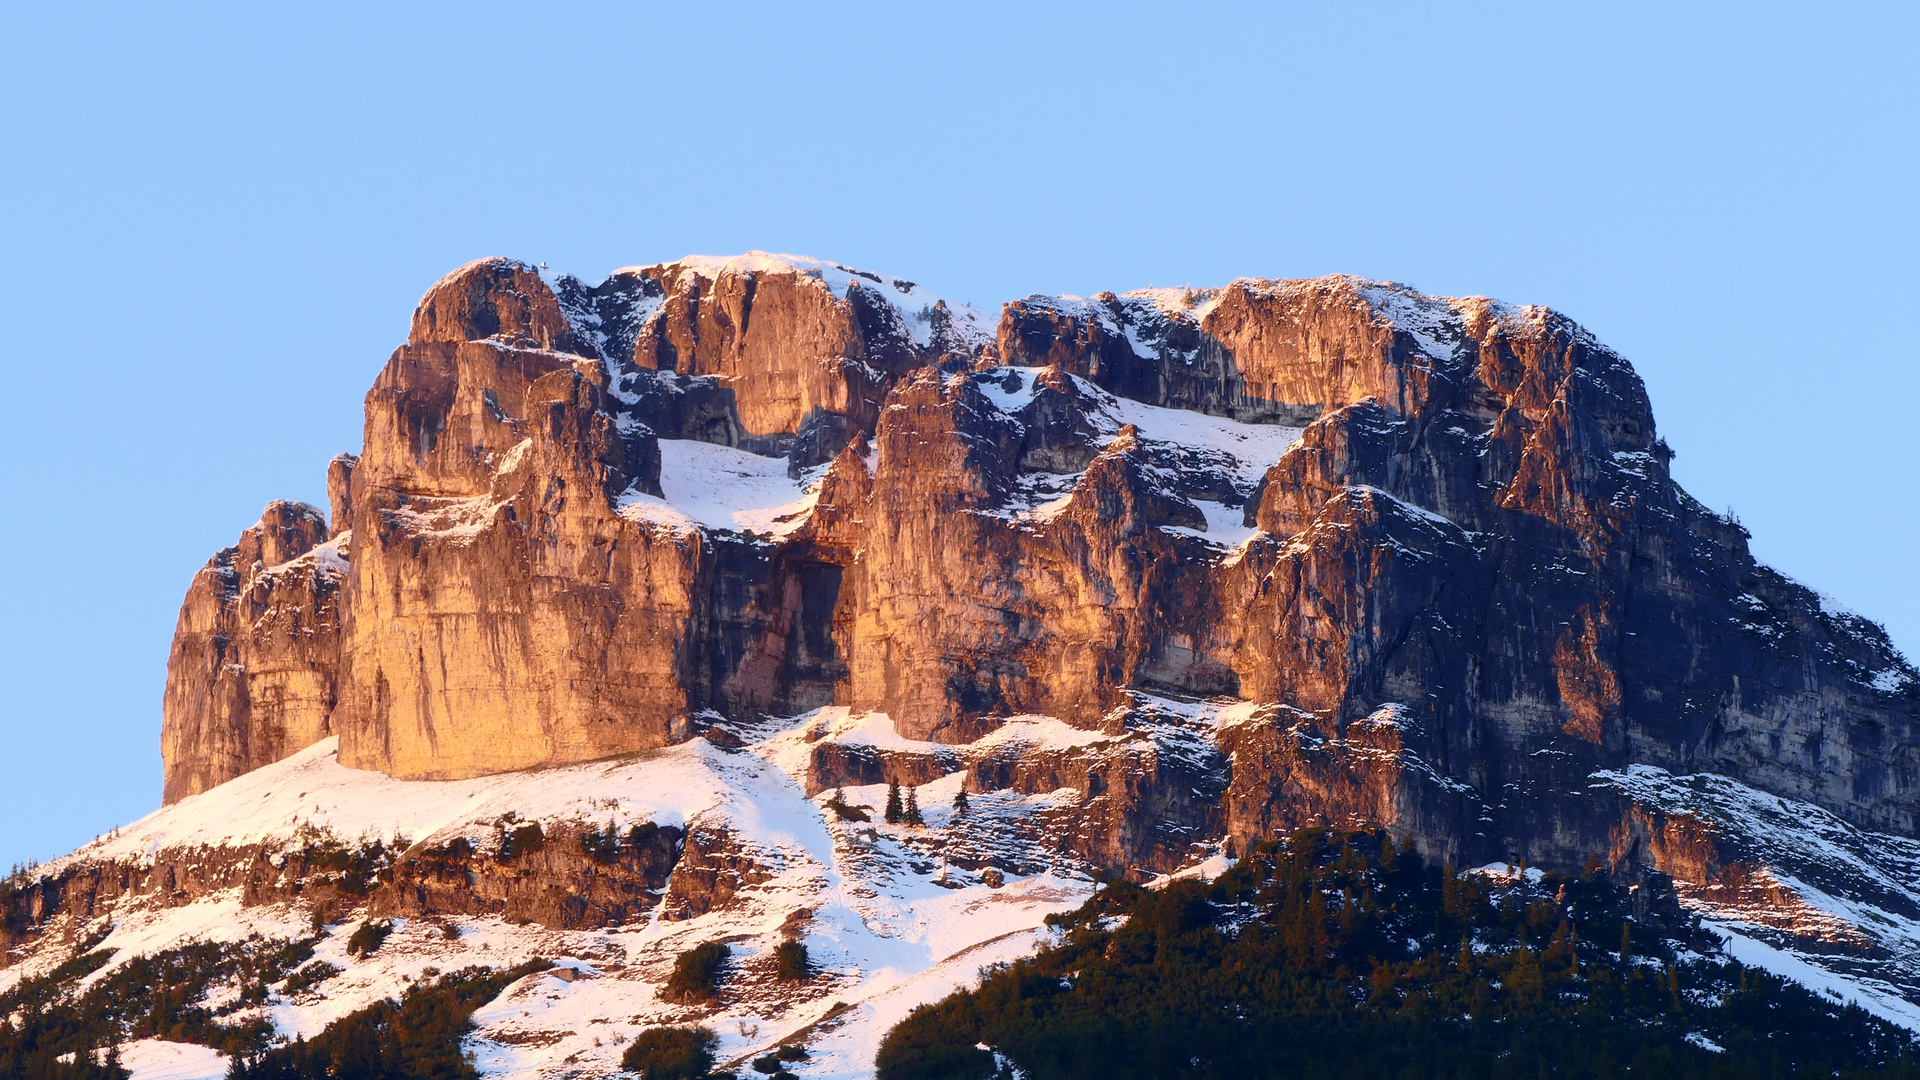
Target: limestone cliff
[1295,551]
[254,667]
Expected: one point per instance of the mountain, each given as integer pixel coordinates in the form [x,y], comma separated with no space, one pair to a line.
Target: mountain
[1153,578]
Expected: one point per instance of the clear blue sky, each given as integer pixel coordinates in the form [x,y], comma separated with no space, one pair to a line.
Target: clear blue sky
[217,221]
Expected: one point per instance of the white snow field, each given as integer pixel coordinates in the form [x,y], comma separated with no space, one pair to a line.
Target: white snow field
[157,1059]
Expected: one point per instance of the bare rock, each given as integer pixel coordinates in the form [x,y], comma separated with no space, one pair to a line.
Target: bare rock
[251,677]
[1468,586]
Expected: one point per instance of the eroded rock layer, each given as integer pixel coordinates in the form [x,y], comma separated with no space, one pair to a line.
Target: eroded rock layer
[1405,561]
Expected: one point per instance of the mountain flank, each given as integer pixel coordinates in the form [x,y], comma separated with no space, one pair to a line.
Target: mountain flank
[726,658]
[1432,543]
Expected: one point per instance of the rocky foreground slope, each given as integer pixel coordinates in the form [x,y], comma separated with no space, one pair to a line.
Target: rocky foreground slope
[1172,572]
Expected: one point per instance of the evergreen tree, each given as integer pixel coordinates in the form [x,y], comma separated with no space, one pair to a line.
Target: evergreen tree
[696,973]
[960,802]
[791,962]
[894,810]
[1334,957]
[671,1053]
[913,807]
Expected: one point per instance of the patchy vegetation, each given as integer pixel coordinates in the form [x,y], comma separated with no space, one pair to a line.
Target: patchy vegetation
[415,1038]
[309,977]
[159,996]
[670,1053]
[696,974]
[369,936]
[1339,956]
[522,840]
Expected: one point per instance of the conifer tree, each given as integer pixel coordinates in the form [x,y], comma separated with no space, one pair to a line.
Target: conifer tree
[912,816]
[894,810]
[960,802]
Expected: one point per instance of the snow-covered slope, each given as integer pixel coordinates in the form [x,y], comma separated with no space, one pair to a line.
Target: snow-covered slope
[885,926]
[888,923]
[1789,886]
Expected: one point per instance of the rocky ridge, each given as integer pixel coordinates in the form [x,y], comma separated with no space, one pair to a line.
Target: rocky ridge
[1332,497]
[1178,569]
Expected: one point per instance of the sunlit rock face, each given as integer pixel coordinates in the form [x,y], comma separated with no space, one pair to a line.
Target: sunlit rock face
[1287,552]
[256,652]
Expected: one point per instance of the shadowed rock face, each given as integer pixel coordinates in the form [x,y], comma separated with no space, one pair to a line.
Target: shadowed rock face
[1395,560]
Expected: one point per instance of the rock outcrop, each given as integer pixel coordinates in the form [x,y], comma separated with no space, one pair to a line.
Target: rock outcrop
[1404,561]
[256,652]
[501,613]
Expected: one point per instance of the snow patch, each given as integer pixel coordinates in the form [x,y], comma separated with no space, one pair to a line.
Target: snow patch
[157,1059]
[720,487]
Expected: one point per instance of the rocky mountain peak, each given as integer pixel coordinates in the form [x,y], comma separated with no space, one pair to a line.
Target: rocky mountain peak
[596,519]
[1153,577]
[490,298]
[1333,494]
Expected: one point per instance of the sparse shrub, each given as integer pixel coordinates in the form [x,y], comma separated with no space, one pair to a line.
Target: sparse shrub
[346,869]
[601,846]
[522,841]
[330,858]
[790,1052]
[417,1036]
[768,1065]
[792,964]
[457,848]
[838,804]
[696,974]
[159,996]
[671,1053]
[451,931]
[309,977]
[81,966]
[368,937]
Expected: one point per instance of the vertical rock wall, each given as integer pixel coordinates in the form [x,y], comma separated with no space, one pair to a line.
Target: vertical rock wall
[252,674]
